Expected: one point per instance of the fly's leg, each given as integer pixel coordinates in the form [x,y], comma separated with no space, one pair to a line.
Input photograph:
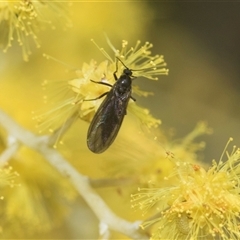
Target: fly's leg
[102,95]
[114,74]
[103,83]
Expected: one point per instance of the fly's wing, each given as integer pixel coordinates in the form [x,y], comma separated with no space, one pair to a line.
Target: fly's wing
[107,121]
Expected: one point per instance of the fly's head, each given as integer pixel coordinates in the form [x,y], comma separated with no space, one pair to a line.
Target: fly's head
[127,72]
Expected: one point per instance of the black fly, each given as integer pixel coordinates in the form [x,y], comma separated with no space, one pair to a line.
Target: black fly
[109,116]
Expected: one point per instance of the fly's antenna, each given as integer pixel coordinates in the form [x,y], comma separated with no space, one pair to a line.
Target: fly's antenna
[122,62]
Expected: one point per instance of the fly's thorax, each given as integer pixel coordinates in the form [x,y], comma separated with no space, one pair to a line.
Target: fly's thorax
[123,84]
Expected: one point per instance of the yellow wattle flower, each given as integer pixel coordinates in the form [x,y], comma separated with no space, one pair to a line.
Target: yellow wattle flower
[201,203]
[82,88]
[22,19]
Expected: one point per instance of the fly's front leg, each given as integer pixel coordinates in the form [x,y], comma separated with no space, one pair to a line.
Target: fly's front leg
[103,83]
[102,95]
[114,74]
[134,99]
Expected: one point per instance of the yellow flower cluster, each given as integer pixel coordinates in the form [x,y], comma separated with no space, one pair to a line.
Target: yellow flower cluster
[201,204]
[22,19]
[82,88]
